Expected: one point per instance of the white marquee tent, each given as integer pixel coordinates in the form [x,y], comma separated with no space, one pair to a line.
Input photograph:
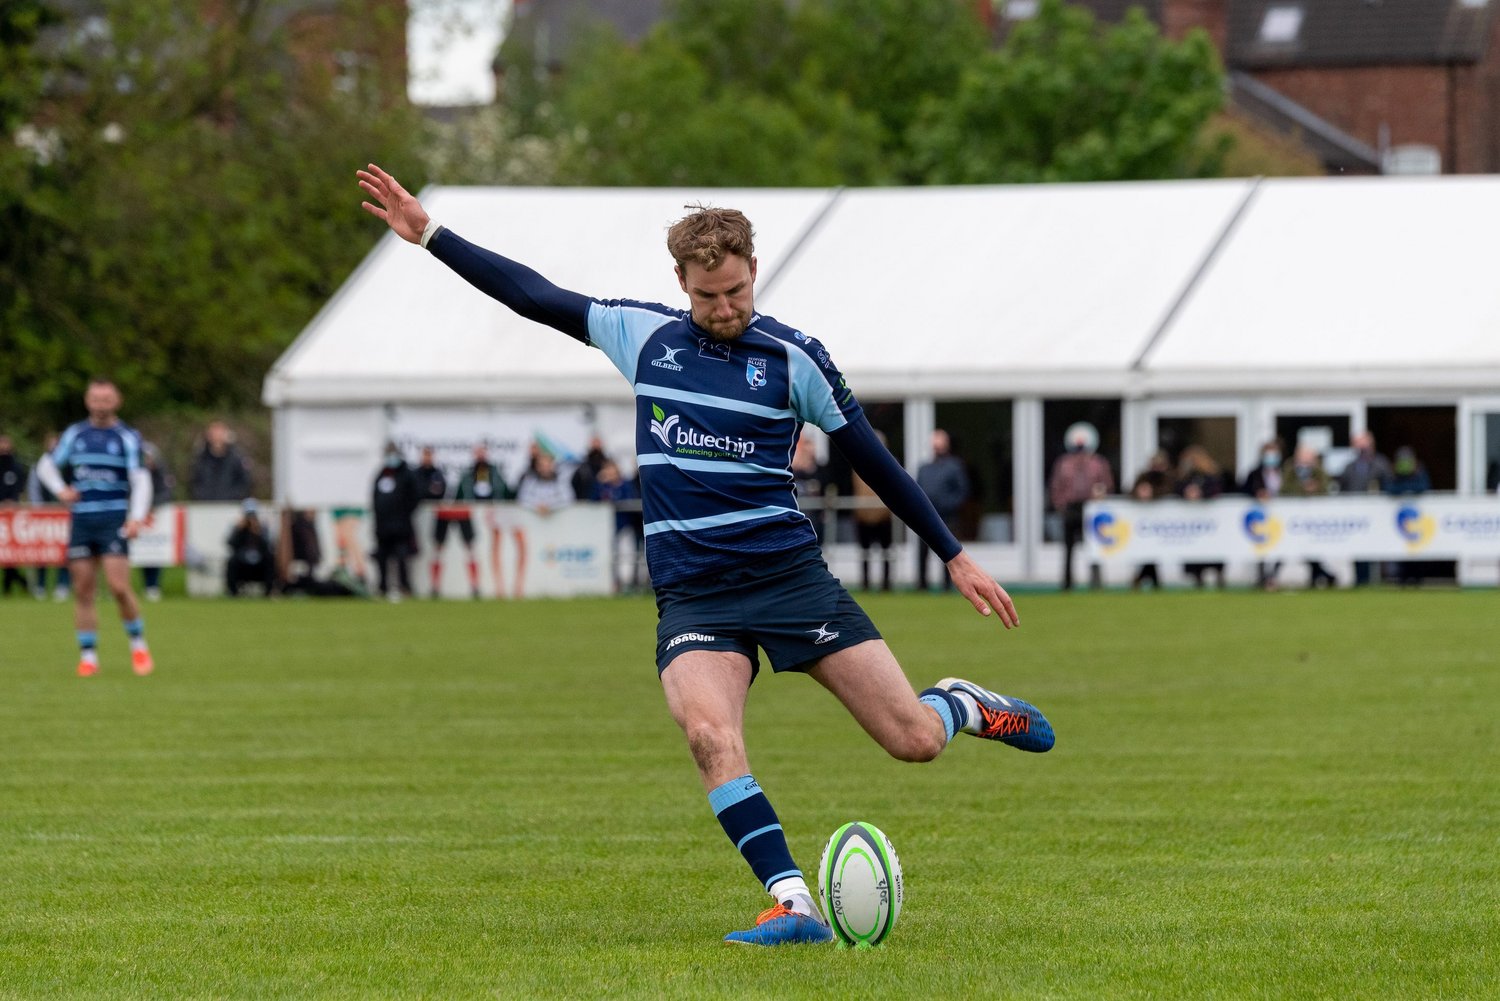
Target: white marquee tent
[1239,298]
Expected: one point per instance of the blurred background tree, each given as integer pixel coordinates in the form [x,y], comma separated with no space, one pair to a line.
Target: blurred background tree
[744,92]
[179,200]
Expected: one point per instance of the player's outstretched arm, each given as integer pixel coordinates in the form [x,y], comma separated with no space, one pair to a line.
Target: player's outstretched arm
[500,278]
[398,208]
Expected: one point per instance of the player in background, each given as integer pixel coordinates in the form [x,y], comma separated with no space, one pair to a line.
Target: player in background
[96,470]
[721,395]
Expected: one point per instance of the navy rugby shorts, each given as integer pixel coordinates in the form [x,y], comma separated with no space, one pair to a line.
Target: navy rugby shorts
[788,605]
[96,537]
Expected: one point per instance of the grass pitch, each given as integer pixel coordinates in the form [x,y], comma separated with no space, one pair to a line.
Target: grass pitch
[1252,796]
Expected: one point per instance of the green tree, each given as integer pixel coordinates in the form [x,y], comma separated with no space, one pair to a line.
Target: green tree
[1063,100]
[890,58]
[193,208]
[657,114]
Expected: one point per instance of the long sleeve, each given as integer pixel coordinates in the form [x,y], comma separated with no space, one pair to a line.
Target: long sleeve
[513,284]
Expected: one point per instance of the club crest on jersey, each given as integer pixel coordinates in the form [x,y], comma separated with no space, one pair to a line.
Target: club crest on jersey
[755,372]
[712,349]
[668,360]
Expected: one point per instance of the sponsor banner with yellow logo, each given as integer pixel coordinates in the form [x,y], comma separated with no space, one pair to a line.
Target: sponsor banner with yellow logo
[1240,528]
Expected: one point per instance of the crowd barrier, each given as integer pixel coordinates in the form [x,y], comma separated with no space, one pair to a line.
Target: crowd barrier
[517,552]
[1359,527]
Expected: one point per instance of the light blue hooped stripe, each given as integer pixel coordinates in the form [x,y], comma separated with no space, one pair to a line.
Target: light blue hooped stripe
[716,520]
[706,465]
[718,402]
[734,791]
[756,833]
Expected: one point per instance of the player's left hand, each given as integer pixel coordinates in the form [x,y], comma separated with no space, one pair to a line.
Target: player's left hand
[982,590]
[132,529]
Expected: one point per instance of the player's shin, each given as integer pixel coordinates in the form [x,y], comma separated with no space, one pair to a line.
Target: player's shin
[751,824]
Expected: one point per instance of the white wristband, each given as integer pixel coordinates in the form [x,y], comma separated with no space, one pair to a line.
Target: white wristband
[427,231]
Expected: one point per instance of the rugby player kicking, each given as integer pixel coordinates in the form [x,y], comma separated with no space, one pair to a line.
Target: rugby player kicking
[721,395]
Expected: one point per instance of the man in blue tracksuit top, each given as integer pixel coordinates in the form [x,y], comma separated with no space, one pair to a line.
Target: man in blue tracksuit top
[721,395]
[96,469]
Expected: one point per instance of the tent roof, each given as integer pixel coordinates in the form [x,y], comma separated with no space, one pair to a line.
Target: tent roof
[999,289]
[404,328]
[1097,289]
[1347,283]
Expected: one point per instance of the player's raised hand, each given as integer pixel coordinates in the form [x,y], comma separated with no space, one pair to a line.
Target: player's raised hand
[398,208]
[983,592]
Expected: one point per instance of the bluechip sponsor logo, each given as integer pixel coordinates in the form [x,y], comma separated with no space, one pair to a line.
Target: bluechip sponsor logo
[689,638]
[668,360]
[755,372]
[682,439]
[662,425]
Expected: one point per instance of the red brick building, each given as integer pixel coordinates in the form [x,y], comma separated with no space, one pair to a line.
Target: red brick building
[1416,83]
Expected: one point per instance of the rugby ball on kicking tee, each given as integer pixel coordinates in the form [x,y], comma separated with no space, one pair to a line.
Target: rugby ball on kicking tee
[860,883]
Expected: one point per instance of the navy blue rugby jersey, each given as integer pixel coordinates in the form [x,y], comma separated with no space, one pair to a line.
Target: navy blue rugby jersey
[97,463]
[715,422]
[716,425]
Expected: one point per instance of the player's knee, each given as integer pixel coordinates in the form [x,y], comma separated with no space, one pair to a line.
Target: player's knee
[917,744]
[712,743]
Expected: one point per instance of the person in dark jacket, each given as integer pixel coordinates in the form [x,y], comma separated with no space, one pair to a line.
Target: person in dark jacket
[13,473]
[250,557]
[945,481]
[220,472]
[394,500]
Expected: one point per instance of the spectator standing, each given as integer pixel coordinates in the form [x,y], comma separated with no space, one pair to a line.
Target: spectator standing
[394,500]
[1368,472]
[873,526]
[480,484]
[1409,478]
[1149,486]
[250,556]
[945,481]
[1200,478]
[220,472]
[587,471]
[611,487]
[432,488]
[37,493]
[1264,483]
[1078,476]
[13,475]
[163,484]
[541,489]
[432,485]
[1306,477]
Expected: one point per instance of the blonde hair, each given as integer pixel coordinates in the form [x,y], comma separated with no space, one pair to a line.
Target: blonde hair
[708,236]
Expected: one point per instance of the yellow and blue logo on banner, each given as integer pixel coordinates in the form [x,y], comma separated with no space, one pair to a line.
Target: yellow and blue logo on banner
[1415,528]
[1263,530]
[1109,531]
